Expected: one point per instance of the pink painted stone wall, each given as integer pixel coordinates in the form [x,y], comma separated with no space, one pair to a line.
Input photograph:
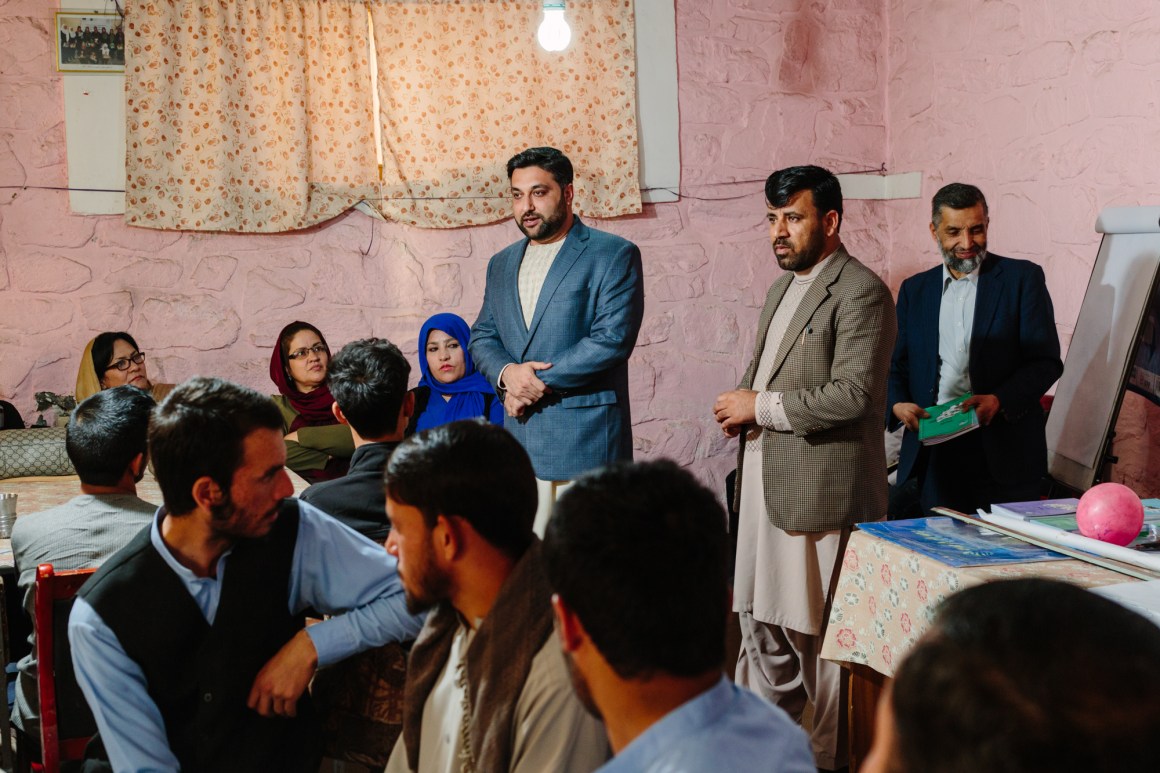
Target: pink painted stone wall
[761,84]
[1050,106]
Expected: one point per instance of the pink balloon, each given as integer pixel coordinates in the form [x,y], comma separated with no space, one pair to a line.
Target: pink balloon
[1110,512]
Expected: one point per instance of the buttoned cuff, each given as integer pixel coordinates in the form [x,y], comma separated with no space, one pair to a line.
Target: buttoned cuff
[771,413]
[500,389]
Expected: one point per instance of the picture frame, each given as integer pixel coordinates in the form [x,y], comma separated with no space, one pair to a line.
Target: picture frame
[90,42]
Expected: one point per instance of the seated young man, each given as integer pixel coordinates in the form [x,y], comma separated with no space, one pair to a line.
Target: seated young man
[368,380]
[106,443]
[637,556]
[189,643]
[487,687]
[1024,675]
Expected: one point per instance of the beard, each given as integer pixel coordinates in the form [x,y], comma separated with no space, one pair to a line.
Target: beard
[550,225]
[228,520]
[808,257]
[963,265]
[424,585]
[580,687]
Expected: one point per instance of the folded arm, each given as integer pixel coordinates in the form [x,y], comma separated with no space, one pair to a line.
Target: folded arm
[338,572]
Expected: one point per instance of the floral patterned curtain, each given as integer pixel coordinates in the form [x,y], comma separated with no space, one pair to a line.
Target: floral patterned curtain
[463,85]
[255,116]
[246,115]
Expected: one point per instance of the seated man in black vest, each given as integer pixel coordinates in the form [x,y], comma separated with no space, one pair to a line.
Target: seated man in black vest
[189,644]
[487,687]
[368,379]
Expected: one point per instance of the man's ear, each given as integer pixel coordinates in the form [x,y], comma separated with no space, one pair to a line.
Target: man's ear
[207,493]
[447,539]
[568,626]
[408,409]
[830,222]
[569,194]
[137,465]
[338,414]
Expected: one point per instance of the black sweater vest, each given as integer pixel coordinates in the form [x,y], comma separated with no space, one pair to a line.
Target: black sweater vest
[200,675]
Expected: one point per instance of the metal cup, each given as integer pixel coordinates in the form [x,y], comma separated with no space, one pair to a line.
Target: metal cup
[7,514]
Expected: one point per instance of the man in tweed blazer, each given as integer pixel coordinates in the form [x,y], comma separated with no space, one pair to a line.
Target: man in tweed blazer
[812,461]
[561,311]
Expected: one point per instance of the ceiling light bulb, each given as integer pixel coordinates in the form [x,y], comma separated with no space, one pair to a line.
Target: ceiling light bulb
[554,33]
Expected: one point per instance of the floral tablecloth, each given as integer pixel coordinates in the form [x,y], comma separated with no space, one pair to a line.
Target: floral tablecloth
[887,596]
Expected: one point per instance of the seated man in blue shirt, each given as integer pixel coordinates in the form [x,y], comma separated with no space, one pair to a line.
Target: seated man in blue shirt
[636,556]
[368,379]
[189,666]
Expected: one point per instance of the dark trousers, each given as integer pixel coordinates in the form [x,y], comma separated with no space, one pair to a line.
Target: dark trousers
[955,475]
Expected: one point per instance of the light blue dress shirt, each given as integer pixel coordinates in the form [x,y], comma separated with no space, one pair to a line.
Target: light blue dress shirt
[956,317]
[724,729]
[334,570]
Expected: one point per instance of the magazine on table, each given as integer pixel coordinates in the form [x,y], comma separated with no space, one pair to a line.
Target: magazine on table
[958,544]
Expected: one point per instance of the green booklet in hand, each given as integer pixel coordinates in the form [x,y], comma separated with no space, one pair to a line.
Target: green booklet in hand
[947,421]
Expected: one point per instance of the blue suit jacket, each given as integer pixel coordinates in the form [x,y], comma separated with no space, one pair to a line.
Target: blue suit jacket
[585,324]
[1014,356]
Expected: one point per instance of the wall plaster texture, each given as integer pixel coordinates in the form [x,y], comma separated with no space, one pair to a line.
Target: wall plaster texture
[1051,107]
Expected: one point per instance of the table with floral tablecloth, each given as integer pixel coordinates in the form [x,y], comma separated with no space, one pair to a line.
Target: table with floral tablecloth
[887,596]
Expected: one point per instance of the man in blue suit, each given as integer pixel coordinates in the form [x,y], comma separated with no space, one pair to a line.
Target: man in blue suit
[984,324]
[561,311]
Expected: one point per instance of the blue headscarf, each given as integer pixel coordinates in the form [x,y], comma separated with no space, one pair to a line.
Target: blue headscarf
[466,394]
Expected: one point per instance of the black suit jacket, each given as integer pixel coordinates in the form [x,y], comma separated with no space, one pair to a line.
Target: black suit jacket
[357,499]
[1014,356]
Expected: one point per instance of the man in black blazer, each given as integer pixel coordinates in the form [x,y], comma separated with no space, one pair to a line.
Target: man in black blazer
[368,379]
[979,323]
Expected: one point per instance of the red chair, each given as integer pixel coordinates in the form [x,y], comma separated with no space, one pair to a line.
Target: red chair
[66,723]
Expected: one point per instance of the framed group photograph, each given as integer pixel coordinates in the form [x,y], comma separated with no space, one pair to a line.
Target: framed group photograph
[90,42]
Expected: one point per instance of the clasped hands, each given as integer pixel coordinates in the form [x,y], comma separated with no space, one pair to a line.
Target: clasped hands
[523,386]
[735,409]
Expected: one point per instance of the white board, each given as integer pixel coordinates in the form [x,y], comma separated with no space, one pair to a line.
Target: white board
[1087,399]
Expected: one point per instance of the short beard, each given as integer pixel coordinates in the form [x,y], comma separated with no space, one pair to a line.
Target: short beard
[549,226]
[809,256]
[960,266]
[580,687]
[433,587]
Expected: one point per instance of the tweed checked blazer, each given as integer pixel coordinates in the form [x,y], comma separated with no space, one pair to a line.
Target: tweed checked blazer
[585,324]
[829,472]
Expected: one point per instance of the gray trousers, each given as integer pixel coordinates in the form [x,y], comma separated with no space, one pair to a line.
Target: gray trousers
[782,666]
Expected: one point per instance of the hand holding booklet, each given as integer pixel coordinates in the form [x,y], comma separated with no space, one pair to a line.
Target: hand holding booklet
[947,421]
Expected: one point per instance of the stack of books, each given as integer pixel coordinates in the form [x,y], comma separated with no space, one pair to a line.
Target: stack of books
[1060,513]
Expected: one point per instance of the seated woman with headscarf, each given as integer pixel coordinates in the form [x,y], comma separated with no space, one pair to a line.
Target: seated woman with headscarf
[317,446]
[451,388]
[113,359]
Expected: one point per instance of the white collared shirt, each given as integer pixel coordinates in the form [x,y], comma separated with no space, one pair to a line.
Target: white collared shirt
[956,317]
